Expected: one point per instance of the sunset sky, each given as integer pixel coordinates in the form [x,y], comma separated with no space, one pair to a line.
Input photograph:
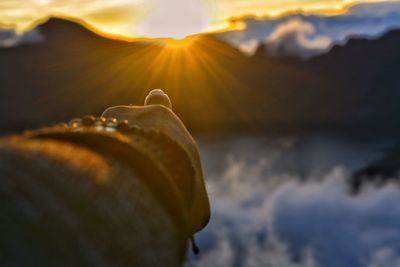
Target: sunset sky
[157,18]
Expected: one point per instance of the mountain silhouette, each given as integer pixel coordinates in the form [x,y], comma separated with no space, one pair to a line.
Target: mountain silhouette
[212,85]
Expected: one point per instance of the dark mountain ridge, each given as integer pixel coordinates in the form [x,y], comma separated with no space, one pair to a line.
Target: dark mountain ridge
[213,86]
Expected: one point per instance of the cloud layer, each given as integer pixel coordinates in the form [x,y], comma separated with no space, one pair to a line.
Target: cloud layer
[265,215]
[297,38]
[305,32]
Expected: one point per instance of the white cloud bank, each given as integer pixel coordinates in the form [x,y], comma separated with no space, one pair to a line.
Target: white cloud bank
[265,217]
[297,38]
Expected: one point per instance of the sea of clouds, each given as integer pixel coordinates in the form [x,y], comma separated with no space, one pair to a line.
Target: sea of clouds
[306,36]
[264,214]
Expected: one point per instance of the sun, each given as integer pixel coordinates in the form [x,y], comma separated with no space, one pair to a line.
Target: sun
[179,43]
[174,19]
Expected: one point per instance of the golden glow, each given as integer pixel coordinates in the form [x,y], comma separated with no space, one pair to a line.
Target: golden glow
[190,62]
[161,18]
[179,44]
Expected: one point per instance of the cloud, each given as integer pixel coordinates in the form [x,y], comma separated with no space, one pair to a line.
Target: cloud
[249,47]
[175,18]
[297,38]
[114,16]
[375,9]
[263,215]
[9,37]
[341,230]
[368,20]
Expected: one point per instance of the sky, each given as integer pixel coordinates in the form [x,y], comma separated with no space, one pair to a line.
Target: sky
[156,18]
[309,35]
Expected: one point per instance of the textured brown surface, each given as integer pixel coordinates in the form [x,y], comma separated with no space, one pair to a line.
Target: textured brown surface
[78,197]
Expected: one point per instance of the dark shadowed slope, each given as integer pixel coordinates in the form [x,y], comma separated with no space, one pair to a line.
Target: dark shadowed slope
[365,75]
[368,73]
[212,85]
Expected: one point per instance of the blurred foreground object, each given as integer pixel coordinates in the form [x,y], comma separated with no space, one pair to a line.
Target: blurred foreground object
[124,189]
